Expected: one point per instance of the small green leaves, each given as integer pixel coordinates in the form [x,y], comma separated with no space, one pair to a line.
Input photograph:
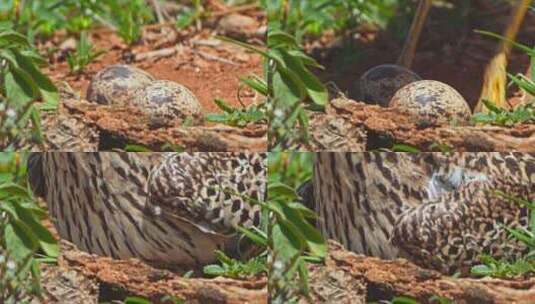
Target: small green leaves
[136,300]
[293,239]
[501,269]
[84,55]
[21,85]
[129,17]
[236,117]
[22,236]
[522,114]
[403,300]
[232,268]
[291,70]
[405,148]
[502,117]
[293,87]
[188,15]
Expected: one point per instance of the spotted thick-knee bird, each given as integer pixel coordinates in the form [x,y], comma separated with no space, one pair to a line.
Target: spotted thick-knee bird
[441,211]
[163,208]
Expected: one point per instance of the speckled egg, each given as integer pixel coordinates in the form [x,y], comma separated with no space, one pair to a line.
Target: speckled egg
[167,102]
[116,84]
[380,83]
[432,103]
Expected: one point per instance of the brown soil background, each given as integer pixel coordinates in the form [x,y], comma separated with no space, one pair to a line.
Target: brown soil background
[207,79]
[449,50]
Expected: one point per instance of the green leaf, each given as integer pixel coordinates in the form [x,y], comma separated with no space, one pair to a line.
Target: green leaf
[20,87]
[280,189]
[405,148]
[440,300]
[136,148]
[315,89]
[404,300]
[213,270]
[491,106]
[481,270]
[256,83]
[307,213]
[221,104]
[20,241]
[311,236]
[10,37]
[36,123]
[222,257]
[279,38]
[10,189]
[136,300]
[212,117]
[185,19]
[46,88]
[44,238]
[255,237]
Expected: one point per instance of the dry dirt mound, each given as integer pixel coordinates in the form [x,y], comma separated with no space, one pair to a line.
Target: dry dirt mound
[80,277]
[346,277]
[193,57]
[351,126]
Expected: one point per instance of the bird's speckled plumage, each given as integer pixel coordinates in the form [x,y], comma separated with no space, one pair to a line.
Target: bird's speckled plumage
[431,208]
[157,207]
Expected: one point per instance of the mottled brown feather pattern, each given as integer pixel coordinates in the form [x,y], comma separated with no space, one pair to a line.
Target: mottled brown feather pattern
[100,202]
[431,206]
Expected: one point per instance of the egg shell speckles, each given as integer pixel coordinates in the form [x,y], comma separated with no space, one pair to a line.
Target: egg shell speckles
[432,103]
[380,83]
[116,84]
[167,101]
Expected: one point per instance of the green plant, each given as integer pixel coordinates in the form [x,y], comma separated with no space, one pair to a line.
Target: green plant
[293,241]
[236,269]
[501,268]
[21,85]
[43,18]
[164,148]
[164,299]
[83,56]
[190,15]
[246,115]
[508,269]
[129,17]
[405,148]
[22,234]
[291,85]
[522,114]
[498,116]
[306,17]
[237,117]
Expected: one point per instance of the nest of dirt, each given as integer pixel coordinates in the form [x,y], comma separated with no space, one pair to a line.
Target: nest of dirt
[80,277]
[193,57]
[346,277]
[351,126]
[455,55]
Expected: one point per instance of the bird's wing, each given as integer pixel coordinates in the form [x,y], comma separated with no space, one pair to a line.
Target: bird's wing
[451,232]
[210,190]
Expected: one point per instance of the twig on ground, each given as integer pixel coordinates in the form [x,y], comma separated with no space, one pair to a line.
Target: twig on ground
[158,54]
[211,57]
